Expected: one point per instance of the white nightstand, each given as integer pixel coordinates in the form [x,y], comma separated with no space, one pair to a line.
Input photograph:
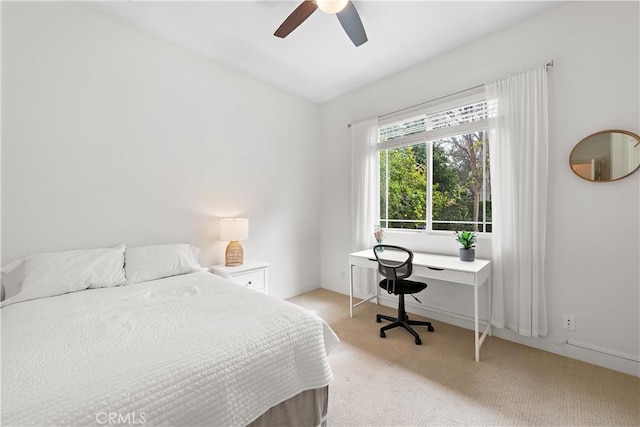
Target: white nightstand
[252,274]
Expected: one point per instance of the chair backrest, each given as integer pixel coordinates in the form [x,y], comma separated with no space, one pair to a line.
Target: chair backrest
[394,262]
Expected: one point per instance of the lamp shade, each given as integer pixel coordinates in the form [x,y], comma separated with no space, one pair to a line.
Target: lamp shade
[234,229]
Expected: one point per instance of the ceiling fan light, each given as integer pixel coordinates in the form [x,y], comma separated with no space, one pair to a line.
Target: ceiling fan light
[331,6]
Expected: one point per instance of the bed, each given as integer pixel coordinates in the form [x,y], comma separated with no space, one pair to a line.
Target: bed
[191,349]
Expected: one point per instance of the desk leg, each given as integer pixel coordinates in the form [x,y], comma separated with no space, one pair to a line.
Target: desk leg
[351,290]
[476,322]
[490,284]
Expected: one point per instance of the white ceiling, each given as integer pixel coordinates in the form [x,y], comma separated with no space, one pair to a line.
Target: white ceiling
[318,61]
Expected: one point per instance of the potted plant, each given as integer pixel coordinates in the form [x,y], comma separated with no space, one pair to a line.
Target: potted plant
[468,241]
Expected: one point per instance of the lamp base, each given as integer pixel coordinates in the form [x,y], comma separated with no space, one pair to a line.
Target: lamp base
[234,254]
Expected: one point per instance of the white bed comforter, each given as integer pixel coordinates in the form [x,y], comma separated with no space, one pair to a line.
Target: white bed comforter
[187,350]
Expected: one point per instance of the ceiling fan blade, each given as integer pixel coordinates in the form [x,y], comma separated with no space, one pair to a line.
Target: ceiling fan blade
[297,17]
[350,21]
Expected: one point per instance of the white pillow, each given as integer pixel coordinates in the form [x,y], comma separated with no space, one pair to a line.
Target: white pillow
[57,273]
[12,276]
[144,263]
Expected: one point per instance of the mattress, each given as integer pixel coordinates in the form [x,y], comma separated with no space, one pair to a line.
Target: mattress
[194,349]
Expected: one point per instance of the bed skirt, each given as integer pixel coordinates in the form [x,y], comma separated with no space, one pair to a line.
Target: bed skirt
[305,409]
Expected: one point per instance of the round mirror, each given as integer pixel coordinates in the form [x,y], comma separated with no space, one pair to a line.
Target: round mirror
[608,155]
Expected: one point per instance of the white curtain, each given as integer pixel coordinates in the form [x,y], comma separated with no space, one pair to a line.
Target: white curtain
[365,194]
[518,146]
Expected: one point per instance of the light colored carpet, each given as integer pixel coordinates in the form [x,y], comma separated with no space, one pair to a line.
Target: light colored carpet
[393,382]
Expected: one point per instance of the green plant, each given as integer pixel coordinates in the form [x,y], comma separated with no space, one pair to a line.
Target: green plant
[466,238]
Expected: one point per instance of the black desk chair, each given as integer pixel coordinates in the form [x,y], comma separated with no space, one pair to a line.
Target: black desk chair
[396,266]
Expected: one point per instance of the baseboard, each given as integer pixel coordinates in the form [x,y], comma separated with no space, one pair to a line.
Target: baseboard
[627,364]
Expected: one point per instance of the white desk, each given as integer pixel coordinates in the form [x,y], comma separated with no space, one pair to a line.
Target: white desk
[440,267]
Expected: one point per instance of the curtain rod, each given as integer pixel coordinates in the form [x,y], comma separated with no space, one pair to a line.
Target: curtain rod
[548,64]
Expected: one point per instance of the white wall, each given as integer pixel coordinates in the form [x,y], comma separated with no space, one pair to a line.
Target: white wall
[111,134]
[593,250]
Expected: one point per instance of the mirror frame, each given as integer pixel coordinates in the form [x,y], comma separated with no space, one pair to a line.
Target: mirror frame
[626,132]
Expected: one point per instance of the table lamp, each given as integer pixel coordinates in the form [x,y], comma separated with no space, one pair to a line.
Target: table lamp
[234,229]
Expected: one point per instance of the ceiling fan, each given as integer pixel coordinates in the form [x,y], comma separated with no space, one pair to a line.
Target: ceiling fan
[343,9]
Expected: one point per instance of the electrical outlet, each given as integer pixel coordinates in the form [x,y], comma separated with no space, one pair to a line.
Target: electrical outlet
[569,322]
[344,275]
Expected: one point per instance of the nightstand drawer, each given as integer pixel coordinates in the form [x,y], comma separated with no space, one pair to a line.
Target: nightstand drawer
[252,274]
[252,280]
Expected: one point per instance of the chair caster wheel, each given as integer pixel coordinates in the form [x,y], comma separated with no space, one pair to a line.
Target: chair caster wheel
[418,341]
[382,334]
[378,320]
[430,328]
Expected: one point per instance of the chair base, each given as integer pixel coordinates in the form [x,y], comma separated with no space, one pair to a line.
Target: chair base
[405,323]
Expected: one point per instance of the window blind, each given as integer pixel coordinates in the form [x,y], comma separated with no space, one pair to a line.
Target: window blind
[429,127]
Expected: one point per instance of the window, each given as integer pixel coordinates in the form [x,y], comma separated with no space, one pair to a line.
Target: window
[434,168]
